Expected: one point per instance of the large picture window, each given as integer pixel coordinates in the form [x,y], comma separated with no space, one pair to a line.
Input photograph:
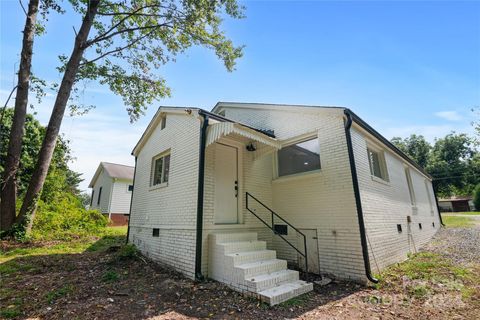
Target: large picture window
[378,167]
[161,169]
[298,158]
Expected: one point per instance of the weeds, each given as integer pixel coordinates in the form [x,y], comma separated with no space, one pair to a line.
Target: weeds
[110,276]
[58,293]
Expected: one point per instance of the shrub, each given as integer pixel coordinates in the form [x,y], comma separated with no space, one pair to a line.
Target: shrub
[476,197]
[65,219]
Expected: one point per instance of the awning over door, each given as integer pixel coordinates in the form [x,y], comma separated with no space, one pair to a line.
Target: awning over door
[231,130]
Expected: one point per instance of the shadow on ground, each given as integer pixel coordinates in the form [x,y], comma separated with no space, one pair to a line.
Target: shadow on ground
[107,281]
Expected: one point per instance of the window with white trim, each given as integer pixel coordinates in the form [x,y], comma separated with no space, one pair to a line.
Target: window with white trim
[160,169]
[429,197]
[299,157]
[163,122]
[376,161]
[411,191]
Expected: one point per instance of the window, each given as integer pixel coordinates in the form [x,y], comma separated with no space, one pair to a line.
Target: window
[300,157]
[91,199]
[163,123]
[378,167]
[130,187]
[99,195]
[413,201]
[429,197]
[161,169]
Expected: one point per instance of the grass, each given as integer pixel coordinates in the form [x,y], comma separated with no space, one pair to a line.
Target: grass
[425,274]
[457,222]
[470,213]
[59,293]
[109,237]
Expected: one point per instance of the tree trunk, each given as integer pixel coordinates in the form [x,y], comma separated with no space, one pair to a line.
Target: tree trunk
[8,193]
[29,206]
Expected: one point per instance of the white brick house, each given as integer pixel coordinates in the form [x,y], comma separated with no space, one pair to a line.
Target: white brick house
[112,186]
[203,180]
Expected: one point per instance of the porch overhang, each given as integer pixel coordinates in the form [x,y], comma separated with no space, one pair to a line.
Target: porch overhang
[219,130]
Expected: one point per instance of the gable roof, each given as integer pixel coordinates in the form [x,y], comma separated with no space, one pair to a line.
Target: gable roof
[114,170]
[356,119]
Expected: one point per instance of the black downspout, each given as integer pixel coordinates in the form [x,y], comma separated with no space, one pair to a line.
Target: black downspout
[131,201]
[358,201]
[201,182]
[438,207]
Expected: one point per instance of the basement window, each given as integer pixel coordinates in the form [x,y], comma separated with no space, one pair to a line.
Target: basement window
[130,187]
[160,169]
[399,228]
[281,229]
[156,232]
[299,158]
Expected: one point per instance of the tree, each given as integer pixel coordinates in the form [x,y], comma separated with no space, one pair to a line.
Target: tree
[8,192]
[130,40]
[452,159]
[476,197]
[414,146]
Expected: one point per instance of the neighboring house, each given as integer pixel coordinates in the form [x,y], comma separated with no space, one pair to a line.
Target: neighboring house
[203,180]
[112,187]
[456,204]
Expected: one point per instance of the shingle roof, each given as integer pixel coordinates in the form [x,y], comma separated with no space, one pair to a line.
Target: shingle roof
[114,170]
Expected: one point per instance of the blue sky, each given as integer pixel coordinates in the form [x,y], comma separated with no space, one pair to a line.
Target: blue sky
[405,67]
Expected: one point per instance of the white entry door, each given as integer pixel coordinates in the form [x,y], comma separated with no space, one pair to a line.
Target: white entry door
[226,184]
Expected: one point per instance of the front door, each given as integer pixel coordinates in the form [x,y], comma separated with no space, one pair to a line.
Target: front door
[226,184]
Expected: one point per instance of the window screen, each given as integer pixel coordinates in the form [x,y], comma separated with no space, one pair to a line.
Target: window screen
[298,158]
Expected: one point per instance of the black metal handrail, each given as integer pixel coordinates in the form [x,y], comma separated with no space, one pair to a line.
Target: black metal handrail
[272,227]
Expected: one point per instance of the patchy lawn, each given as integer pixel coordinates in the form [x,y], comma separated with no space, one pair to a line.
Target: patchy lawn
[99,278]
[457,222]
[470,213]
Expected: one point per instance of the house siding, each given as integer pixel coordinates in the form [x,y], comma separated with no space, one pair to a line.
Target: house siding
[104,182]
[323,200]
[121,197]
[171,208]
[387,204]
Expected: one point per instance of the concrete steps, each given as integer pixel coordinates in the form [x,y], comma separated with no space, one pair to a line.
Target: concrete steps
[243,262]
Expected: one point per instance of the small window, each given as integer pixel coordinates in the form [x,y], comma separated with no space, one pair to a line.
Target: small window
[378,167]
[155,232]
[222,113]
[99,195]
[163,123]
[420,226]
[399,228]
[299,157]
[130,187]
[429,197]
[411,191]
[160,169]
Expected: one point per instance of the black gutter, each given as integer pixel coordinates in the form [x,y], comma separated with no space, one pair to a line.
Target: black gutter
[438,207]
[201,182]
[358,201]
[131,201]
[384,140]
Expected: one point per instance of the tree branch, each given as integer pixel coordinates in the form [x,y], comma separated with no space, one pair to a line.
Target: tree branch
[98,39]
[23,8]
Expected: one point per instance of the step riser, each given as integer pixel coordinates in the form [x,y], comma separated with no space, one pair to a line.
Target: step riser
[287,296]
[232,237]
[255,256]
[262,269]
[267,284]
[234,247]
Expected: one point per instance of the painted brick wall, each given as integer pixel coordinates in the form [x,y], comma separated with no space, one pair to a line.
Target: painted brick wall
[323,200]
[387,204]
[171,208]
[121,197]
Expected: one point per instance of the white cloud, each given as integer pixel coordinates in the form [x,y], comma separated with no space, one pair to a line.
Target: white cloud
[449,115]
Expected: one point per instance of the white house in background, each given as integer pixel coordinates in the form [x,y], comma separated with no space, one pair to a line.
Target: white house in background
[112,187]
[211,186]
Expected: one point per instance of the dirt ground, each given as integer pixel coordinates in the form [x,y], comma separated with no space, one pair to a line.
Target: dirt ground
[109,284]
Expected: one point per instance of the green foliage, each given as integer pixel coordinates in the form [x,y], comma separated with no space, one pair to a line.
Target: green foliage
[476,197]
[65,218]
[457,222]
[110,276]
[128,252]
[453,161]
[59,293]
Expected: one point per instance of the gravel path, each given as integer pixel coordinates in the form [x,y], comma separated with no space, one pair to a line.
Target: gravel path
[462,245]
